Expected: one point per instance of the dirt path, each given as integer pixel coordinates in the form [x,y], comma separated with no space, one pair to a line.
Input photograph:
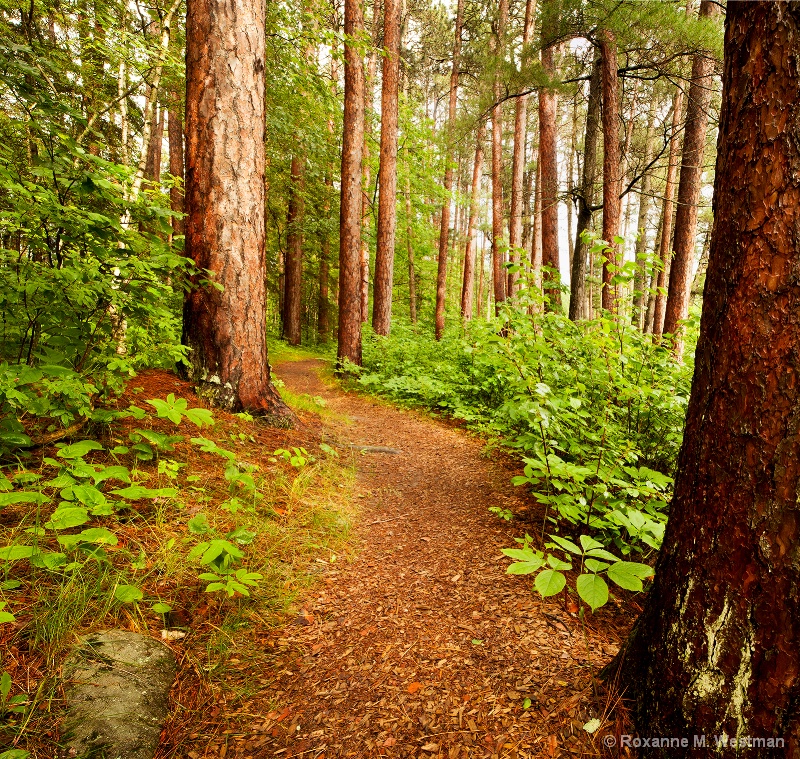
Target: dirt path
[422,645]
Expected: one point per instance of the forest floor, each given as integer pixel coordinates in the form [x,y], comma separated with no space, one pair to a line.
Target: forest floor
[419,644]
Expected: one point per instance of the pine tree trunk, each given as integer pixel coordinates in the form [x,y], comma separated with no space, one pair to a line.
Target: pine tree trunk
[152,169]
[225,330]
[324,303]
[578,306]
[612,166]
[349,344]
[640,251]
[498,243]
[176,168]
[654,273]
[694,143]
[668,212]
[366,201]
[293,287]
[518,156]
[387,190]
[468,286]
[444,232]
[716,650]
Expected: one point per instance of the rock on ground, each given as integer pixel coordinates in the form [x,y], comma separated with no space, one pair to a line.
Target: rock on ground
[117,690]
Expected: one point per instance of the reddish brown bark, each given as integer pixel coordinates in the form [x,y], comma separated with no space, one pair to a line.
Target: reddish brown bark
[498,243]
[349,346]
[444,232]
[412,274]
[612,165]
[225,330]
[387,176]
[717,648]
[694,143]
[366,200]
[293,271]
[175,135]
[667,214]
[468,282]
[518,156]
[578,305]
[548,167]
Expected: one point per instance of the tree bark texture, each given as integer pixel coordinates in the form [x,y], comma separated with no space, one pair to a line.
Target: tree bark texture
[444,232]
[668,213]
[612,165]
[387,176]
[717,648]
[175,136]
[694,143]
[548,163]
[293,286]
[640,251]
[578,307]
[518,156]
[225,330]
[498,243]
[349,344]
[366,201]
[468,286]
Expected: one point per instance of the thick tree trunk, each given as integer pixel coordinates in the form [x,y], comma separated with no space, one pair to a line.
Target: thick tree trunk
[349,346]
[468,286]
[668,212]
[387,179]
[498,243]
[578,307]
[640,251]
[518,156]
[293,287]
[444,232]
[716,651]
[176,168]
[612,166]
[694,143]
[225,330]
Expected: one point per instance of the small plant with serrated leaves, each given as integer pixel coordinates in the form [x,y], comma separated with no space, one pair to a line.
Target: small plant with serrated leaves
[222,557]
[296,457]
[595,562]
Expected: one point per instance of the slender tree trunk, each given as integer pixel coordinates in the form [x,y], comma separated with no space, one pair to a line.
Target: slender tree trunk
[444,232]
[578,306]
[612,166]
[412,274]
[152,170]
[640,274]
[225,330]
[366,201]
[665,249]
[175,136]
[571,179]
[694,143]
[654,272]
[548,163]
[324,304]
[387,191]
[349,346]
[468,286]
[294,255]
[536,247]
[717,648]
[498,244]
[518,156]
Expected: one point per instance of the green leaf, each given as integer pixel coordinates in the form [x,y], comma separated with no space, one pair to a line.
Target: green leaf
[15,753]
[128,594]
[137,492]
[15,553]
[95,535]
[199,416]
[5,685]
[549,582]
[64,518]
[567,545]
[556,563]
[593,565]
[629,574]
[121,473]
[592,589]
[161,608]
[601,553]
[525,567]
[6,499]
[78,450]
[199,525]
[589,543]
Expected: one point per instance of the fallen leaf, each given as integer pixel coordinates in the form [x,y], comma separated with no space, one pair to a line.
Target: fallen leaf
[414,687]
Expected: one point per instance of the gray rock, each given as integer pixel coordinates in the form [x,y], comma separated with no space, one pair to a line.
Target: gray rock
[117,687]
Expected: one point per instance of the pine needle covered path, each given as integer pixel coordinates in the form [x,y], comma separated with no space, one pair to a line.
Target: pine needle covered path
[422,645]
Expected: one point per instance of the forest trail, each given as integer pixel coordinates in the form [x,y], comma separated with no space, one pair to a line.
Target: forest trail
[422,645]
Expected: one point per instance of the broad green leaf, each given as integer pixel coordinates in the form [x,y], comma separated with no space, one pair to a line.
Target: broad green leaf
[629,574]
[128,594]
[601,553]
[558,564]
[121,473]
[78,450]
[592,589]
[567,545]
[15,553]
[549,582]
[64,518]
[137,492]
[96,535]
[6,499]
[525,567]
[593,565]
[161,608]
[589,543]
[199,525]
[199,416]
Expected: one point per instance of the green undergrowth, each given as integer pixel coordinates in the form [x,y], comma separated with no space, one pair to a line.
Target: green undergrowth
[166,517]
[594,411]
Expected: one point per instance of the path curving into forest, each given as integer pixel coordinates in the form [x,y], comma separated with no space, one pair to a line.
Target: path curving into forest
[422,645]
